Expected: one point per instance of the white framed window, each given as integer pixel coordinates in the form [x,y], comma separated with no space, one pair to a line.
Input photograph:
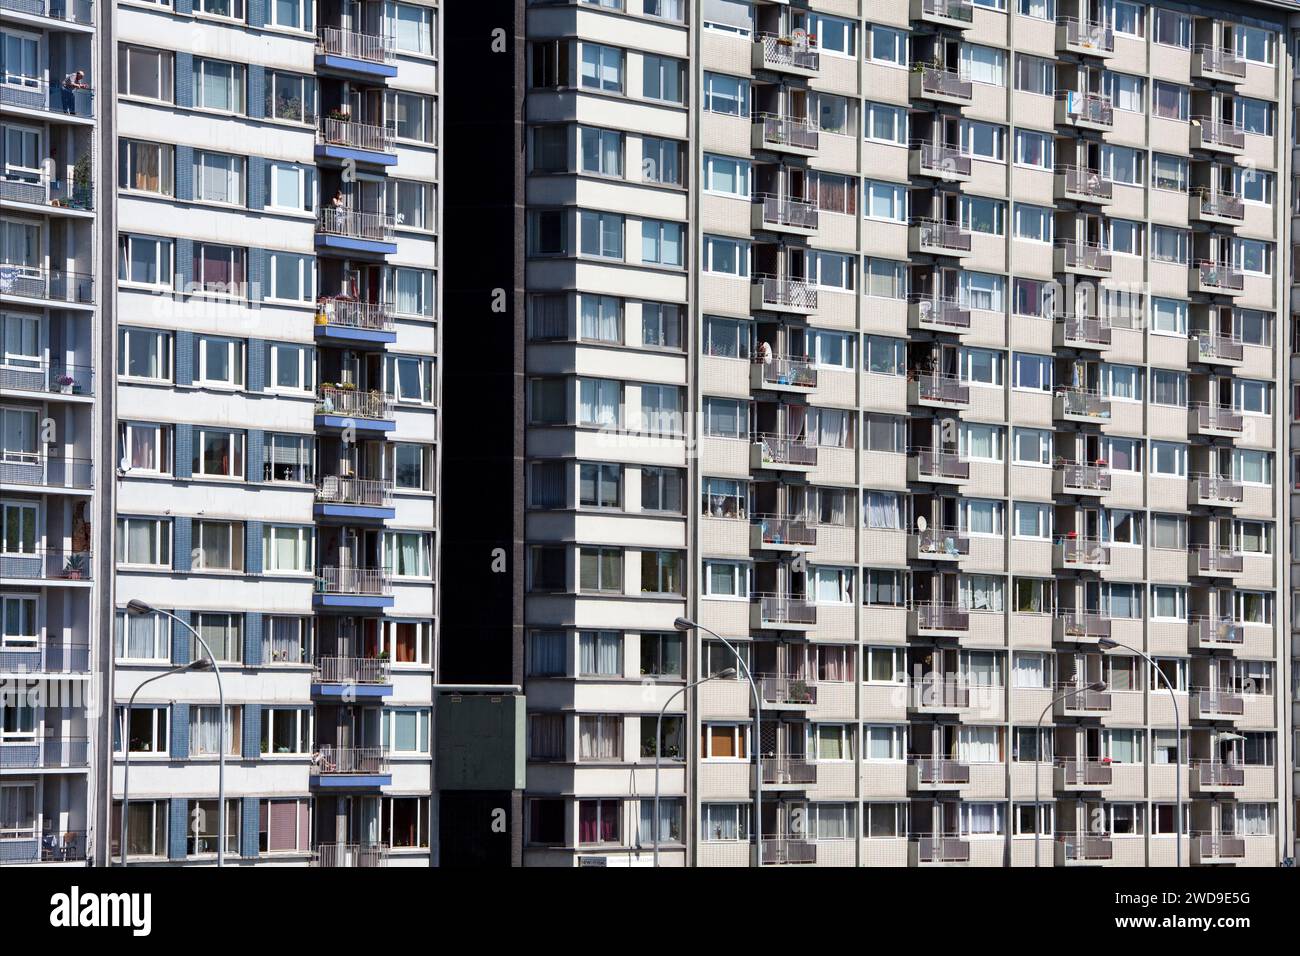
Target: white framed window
[287,549]
[145,167]
[728,95]
[205,731]
[292,368]
[413,27]
[289,190]
[409,379]
[726,176]
[725,256]
[218,178]
[19,620]
[145,73]
[984,64]
[144,542]
[218,453]
[979,442]
[1032,446]
[406,642]
[144,733]
[406,554]
[600,67]
[218,85]
[1032,520]
[405,730]
[885,124]
[219,546]
[287,640]
[661,78]
[1169,458]
[885,201]
[286,731]
[142,637]
[981,367]
[726,579]
[413,117]
[411,291]
[145,448]
[1034,149]
[145,260]
[888,45]
[984,140]
[981,516]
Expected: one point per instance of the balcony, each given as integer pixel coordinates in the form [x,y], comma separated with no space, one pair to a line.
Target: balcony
[936,314]
[1082,332]
[1076,701]
[937,237]
[77,12]
[54,196]
[782,533]
[937,467]
[1088,38]
[1082,258]
[1080,627]
[1073,849]
[783,374]
[354,499]
[783,294]
[936,773]
[352,587]
[46,472]
[47,378]
[1215,703]
[1215,491]
[1214,349]
[347,230]
[1210,62]
[350,407]
[1079,184]
[351,321]
[1081,405]
[938,544]
[787,850]
[1217,136]
[1208,277]
[339,137]
[45,753]
[350,768]
[347,51]
[941,619]
[940,849]
[1074,553]
[782,214]
[793,773]
[782,612]
[940,694]
[352,677]
[785,134]
[21,281]
[934,390]
[944,13]
[1084,111]
[786,54]
[783,453]
[1215,633]
[1215,206]
[1214,421]
[350,855]
[1215,776]
[53,847]
[23,656]
[33,95]
[1076,478]
[1082,774]
[939,85]
[1208,560]
[940,161]
[47,566]
[786,692]
[1210,848]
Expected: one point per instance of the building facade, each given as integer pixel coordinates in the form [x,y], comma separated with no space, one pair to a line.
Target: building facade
[927,352]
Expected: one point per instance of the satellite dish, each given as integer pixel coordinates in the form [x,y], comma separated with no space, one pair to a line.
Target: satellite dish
[126,463]
[922,524]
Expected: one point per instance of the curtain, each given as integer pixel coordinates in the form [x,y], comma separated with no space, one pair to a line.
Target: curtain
[980,745]
[599,738]
[600,653]
[1029,671]
[205,733]
[140,636]
[883,510]
[547,737]
[546,651]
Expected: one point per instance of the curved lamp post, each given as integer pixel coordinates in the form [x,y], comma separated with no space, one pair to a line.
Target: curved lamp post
[686,624]
[1109,644]
[139,608]
[1038,746]
[198,664]
[659,736]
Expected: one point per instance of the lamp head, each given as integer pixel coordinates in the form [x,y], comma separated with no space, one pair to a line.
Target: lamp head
[726,672]
[138,607]
[684,624]
[1107,643]
[199,664]
[1097,685]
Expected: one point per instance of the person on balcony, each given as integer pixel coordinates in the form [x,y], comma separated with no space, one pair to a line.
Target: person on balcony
[71,82]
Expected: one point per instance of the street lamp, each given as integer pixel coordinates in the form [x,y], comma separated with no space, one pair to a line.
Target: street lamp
[686,624]
[659,736]
[1108,643]
[139,608]
[1038,752]
[198,664]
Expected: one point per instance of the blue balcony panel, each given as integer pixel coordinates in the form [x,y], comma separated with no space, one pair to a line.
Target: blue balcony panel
[352,691]
[340,153]
[345,602]
[354,512]
[351,781]
[373,247]
[350,64]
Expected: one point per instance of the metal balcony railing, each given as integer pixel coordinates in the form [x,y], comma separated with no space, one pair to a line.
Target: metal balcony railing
[353,403]
[783,52]
[1086,772]
[935,463]
[1216,773]
[786,530]
[334,41]
[1086,182]
[46,471]
[941,158]
[43,657]
[938,312]
[1085,848]
[785,450]
[1218,488]
[1213,347]
[1088,107]
[351,224]
[941,771]
[1077,697]
[350,855]
[784,211]
[785,609]
[1218,133]
[1217,700]
[352,670]
[935,80]
[942,849]
[1219,275]
[1216,630]
[941,616]
[1222,846]
[42,192]
[1218,418]
[1080,550]
[23,375]
[364,582]
[786,689]
[369,492]
[1088,34]
[69,11]
[44,753]
[1084,402]
[942,234]
[962,10]
[934,387]
[46,564]
[1083,625]
[1087,329]
[787,292]
[943,542]
[1085,255]
[355,314]
[793,131]
[1221,204]
[53,285]
[783,370]
[782,850]
[329,759]
[1084,477]
[31,93]
[337,131]
[1220,60]
[19,849]
[788,770]
[1212,559]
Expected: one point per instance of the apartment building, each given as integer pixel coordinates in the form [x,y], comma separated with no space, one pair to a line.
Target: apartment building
[51,529]
[926,352]
[277,445]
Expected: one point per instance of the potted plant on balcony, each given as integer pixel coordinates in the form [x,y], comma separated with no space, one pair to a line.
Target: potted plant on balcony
[65,383]
[74,567]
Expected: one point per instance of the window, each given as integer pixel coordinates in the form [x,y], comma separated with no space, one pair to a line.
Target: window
[1033,222]
[981,290]
[884,355]
[229,9]
[204,830]
[410,290]
[218,86]
[882,510]
[601,68]
[1254,116]
[287,549]
[1035,74]
[661,655]
[885,278]
[289,187]
[286,730]
[661,243]
[885,124]
[600,569]
[1126,92]
[289,458]
[984,64]
[833,585]
[146,733]
[886,201]
[411,204]
[221,363]
[143,637]
[144,541]
[1169,458]
[884,588]
[290,96]
[412,27]
[1169,244]
[661,489]
[726,579]
[1032,446]
[980,442]
[834,35]
[206,730]
[600,402]
[405,730]
[600,737]
[546,821]
[724,498]
[1123,165]
[287,640]
[672,812]
[293,277]
[723,256]
[831,349]
[984,140]
[662,78]
[144,73]
[145,448]
[1034,149]
[1173,28]
[411,116]
[146,167]
[601,234]
[406,554]
[1254,44]
[409,379]
[980,516]
[832,270]
[981,366]
[600,654]
[145,260]
[982,215]
[1169,172]
[219,268]
[291,368]
[1253,256]
[661,572]
[1126,237]
[662,161]
[724,94]
[726,176]
[1252,467]
[1252,396]
[218,454]
[832,113]
[888,45]
[1169,315]
[1169,100]
[725,742]
[218,546]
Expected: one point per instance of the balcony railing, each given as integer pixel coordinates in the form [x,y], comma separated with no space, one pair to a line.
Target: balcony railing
[47,471]
[943,159]
[1083,625]
[793,131]
[1219,275]
[1218,418]
[935,80]
[787,292]
[785,450]
[942,542]
[350,854]
[1221,204]
[352,670]
[42,192]
[36,376]
[786,689]
[368,492]
[1212,559]
[1076,697]
[43,657]
[70,11]
[363,582]
[353,403]
[1076,476]
[1219,59]
[1217,700]
[785,530]
[1085,255]
[46,564]
[336,131]
[1218,133]
[329,759]
[67,846]
[788,771]
[962,10]
[355,314]
[1085,772]
[942,234]
[49,284]
[1086,182]
[1087,107]
[1091,847]
[948,389]
[782,52]
[1088,35]
[1213,347]
[1219,488]
[783,850]
[351,224]
[938,312]
[1079,550]
[1217,630]
[1216,773]
[1084,402]
[783,370]
[940,616]
[942,849]
[26,92]
[1086,329]
[784,211]
[44,753]
[785,609]
[333,41]
[933,463]
[1221,846]
[940,771]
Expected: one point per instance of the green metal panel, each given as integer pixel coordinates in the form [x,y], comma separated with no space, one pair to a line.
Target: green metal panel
[480,742]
